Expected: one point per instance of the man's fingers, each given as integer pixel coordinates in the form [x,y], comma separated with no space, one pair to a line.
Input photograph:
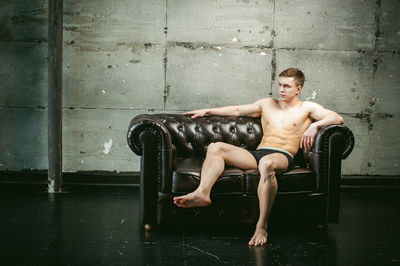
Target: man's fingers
[306,142]
[190,113]
[310,142]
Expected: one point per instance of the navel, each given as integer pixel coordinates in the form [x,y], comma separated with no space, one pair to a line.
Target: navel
[294,124]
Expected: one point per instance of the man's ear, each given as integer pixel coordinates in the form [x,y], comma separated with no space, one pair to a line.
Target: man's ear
[299,88]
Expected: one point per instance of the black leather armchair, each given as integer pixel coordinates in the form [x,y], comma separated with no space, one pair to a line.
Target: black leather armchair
[173,146]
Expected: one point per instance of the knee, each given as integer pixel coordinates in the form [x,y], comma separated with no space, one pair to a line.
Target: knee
[266,168]
[215,148]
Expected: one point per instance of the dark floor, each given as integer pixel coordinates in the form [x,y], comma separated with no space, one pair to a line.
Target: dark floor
[98,225]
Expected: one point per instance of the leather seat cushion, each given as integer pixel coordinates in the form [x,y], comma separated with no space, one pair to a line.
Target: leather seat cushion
[186,178]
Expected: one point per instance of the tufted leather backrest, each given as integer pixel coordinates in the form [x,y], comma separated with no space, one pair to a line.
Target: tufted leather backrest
[191,137]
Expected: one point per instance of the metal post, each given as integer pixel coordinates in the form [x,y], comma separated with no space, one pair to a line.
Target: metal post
[55,47]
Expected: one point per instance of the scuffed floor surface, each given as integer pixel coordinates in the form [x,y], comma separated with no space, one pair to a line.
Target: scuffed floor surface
[98,225]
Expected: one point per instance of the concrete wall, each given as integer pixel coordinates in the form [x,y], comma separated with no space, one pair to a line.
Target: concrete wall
[124,58]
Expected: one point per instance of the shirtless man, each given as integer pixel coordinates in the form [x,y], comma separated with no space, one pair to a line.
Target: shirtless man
[287,124]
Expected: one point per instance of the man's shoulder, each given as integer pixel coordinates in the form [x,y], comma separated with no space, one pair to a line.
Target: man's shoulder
[310,104]
[312,107]
[266,101]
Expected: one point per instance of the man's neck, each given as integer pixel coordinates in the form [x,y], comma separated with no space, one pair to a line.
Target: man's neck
[290,102]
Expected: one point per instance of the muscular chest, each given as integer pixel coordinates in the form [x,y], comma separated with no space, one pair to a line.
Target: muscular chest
[294,119]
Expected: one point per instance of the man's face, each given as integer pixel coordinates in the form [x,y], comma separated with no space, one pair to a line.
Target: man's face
[288,88]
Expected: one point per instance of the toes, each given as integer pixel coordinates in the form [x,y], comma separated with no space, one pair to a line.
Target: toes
[251,242]
[178,202]
[258,242]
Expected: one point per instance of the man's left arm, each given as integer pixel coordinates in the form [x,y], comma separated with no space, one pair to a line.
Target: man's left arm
[322,117]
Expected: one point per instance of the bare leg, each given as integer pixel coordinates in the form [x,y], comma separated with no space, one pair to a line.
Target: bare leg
[217,155]
[212,168]
[269,166]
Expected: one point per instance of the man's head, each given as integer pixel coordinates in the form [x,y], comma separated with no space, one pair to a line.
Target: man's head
[291,83]
[295,73]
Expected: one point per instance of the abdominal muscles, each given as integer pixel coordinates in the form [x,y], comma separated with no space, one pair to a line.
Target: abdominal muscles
[284,129]
[287,138]
[281,140]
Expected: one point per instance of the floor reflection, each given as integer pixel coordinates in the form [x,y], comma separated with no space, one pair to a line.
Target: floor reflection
[100,226]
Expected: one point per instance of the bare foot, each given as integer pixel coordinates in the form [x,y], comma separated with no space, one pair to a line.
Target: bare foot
[194,199]
[259,238]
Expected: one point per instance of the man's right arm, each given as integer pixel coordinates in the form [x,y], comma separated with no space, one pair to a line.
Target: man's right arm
[253,109]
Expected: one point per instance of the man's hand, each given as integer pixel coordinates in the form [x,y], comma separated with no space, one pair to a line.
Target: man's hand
[307,140]
[197,113]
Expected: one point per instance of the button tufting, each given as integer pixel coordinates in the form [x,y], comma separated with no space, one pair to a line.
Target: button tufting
[189,145]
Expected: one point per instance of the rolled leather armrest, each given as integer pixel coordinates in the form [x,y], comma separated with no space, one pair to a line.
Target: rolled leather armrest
[151,123]
[332,144]
[323,136]
[150,128]
[325,139]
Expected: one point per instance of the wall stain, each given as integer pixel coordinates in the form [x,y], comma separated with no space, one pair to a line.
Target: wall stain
[273,66]
[264,29]
[166,92]
[194,46]
[72,28]
[207,46]
[366,115]
[384,115]
[19,20]
[257,48]
[137,48]
[375,66]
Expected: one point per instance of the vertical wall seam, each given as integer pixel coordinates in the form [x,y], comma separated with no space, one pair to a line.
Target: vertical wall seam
[165,57]
[374,70]
[273,58]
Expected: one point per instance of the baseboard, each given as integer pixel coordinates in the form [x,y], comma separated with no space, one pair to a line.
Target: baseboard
[86,177]
[370,181]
